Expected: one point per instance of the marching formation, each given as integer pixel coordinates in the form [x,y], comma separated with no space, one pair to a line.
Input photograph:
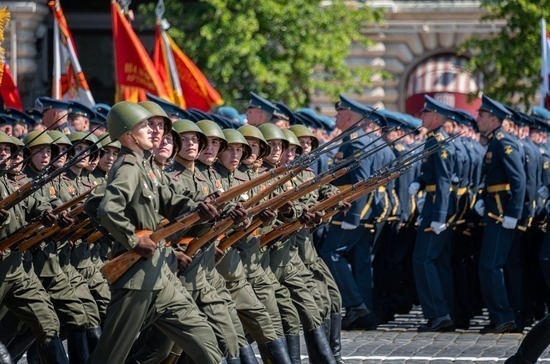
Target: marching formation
[145,233]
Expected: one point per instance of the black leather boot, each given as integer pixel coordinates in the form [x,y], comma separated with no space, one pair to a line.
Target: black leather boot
[293,345]
[236,360]
[77,344]
[53,352]
[94,333]
[326,325]
[533,344]
[247,355]
[317,346]
[5,357]
[21,344]
[275,352]
[334,337]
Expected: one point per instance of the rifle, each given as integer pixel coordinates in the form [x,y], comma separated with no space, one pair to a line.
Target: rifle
[29,229]
[30,187]
[47,232]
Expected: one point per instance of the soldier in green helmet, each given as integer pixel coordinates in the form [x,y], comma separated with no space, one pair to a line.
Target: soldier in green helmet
[62,143]
[253,314]
[108,153]
[282,255]
[159,122]
[135,200]
[20,290]
[326,285]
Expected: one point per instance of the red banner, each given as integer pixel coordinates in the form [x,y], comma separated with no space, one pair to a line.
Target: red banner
[133,66]
[8,90]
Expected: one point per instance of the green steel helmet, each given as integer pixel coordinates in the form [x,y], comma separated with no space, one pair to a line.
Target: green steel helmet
[250,131]
[123,116]
[34,139]
[6,139]
[303,131]
[273,132]
[213,130]
[105,141]
[84,137]
[156,110]
[232,136]
[293,140]
[18,142]
[59,138]
[187,126]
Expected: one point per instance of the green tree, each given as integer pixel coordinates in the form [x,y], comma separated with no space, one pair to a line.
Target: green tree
[510,60]
[283,49]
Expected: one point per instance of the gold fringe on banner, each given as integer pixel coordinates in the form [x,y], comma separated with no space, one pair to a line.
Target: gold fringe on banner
[4,19]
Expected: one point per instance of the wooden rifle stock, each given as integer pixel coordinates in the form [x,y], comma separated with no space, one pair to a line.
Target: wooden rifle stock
[224,225]
[47,232]
[31,228]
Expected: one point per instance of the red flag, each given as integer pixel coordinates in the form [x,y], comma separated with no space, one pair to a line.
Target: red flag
[8,90]
[197,91]
[133,66]
[163,59]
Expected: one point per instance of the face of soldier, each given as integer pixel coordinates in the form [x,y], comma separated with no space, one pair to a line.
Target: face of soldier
[19,130]
[16,164]
[306,143]
[41,157]
[231,157]
[346,118]
[431,120]
[189,146]
[61,161]
[92,164]
[448,126]
[54,116]
[289,154]
[486,122]
[255,145]
[281,123]
[79,152]
[141,134]
[6,128]
[209,154]
[392,134]
[156,123]
[80,123]
[108,157]
[5,152]
[165,149]
[276,151]
[257,116]
[98,130]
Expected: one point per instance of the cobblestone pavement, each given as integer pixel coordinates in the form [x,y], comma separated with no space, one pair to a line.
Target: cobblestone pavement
[398,342]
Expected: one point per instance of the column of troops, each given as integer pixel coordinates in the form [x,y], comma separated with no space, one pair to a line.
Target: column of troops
[145,233]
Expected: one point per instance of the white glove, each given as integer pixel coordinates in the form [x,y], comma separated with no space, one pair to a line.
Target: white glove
[438,227]
[420,204]
[480,207]
[509,222]
[419,220]
[543,192]
[347,226]
[413,188]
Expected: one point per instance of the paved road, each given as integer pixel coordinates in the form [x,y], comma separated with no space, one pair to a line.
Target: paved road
[398,343]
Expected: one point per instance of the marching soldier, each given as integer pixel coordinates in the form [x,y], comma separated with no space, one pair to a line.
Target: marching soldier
[432,251]
[502,207]
[133,200]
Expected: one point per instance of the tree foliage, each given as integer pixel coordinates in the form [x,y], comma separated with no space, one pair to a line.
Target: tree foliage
[283,49]
[510,60]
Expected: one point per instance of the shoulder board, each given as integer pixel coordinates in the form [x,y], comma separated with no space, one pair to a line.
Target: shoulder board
[262,169]
[439,137]
[64,176]
[87,184]
[499,135]
[240,178]
[129,159]
[399,147]
[354,135]
[309,170]
[200,178]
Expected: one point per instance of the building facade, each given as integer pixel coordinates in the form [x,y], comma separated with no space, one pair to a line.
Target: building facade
[417,44]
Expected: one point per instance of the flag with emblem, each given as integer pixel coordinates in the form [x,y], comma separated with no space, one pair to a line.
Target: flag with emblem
[135,73]
[68,81]
[545,68]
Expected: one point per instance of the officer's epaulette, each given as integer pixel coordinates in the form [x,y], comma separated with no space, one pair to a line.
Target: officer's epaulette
[439,137]
[262,169]
[129,159]
[199,177]
[399,147]
[499,135]
[546,165]
[309,170]
[240,178]
[354,135]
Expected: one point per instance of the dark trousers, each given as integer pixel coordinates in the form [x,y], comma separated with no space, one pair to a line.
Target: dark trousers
[433,273]
[495,249]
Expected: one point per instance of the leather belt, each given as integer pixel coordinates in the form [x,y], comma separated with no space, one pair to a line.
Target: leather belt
[498,188]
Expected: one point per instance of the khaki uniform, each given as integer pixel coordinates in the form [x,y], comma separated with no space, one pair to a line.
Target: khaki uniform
[135,200]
